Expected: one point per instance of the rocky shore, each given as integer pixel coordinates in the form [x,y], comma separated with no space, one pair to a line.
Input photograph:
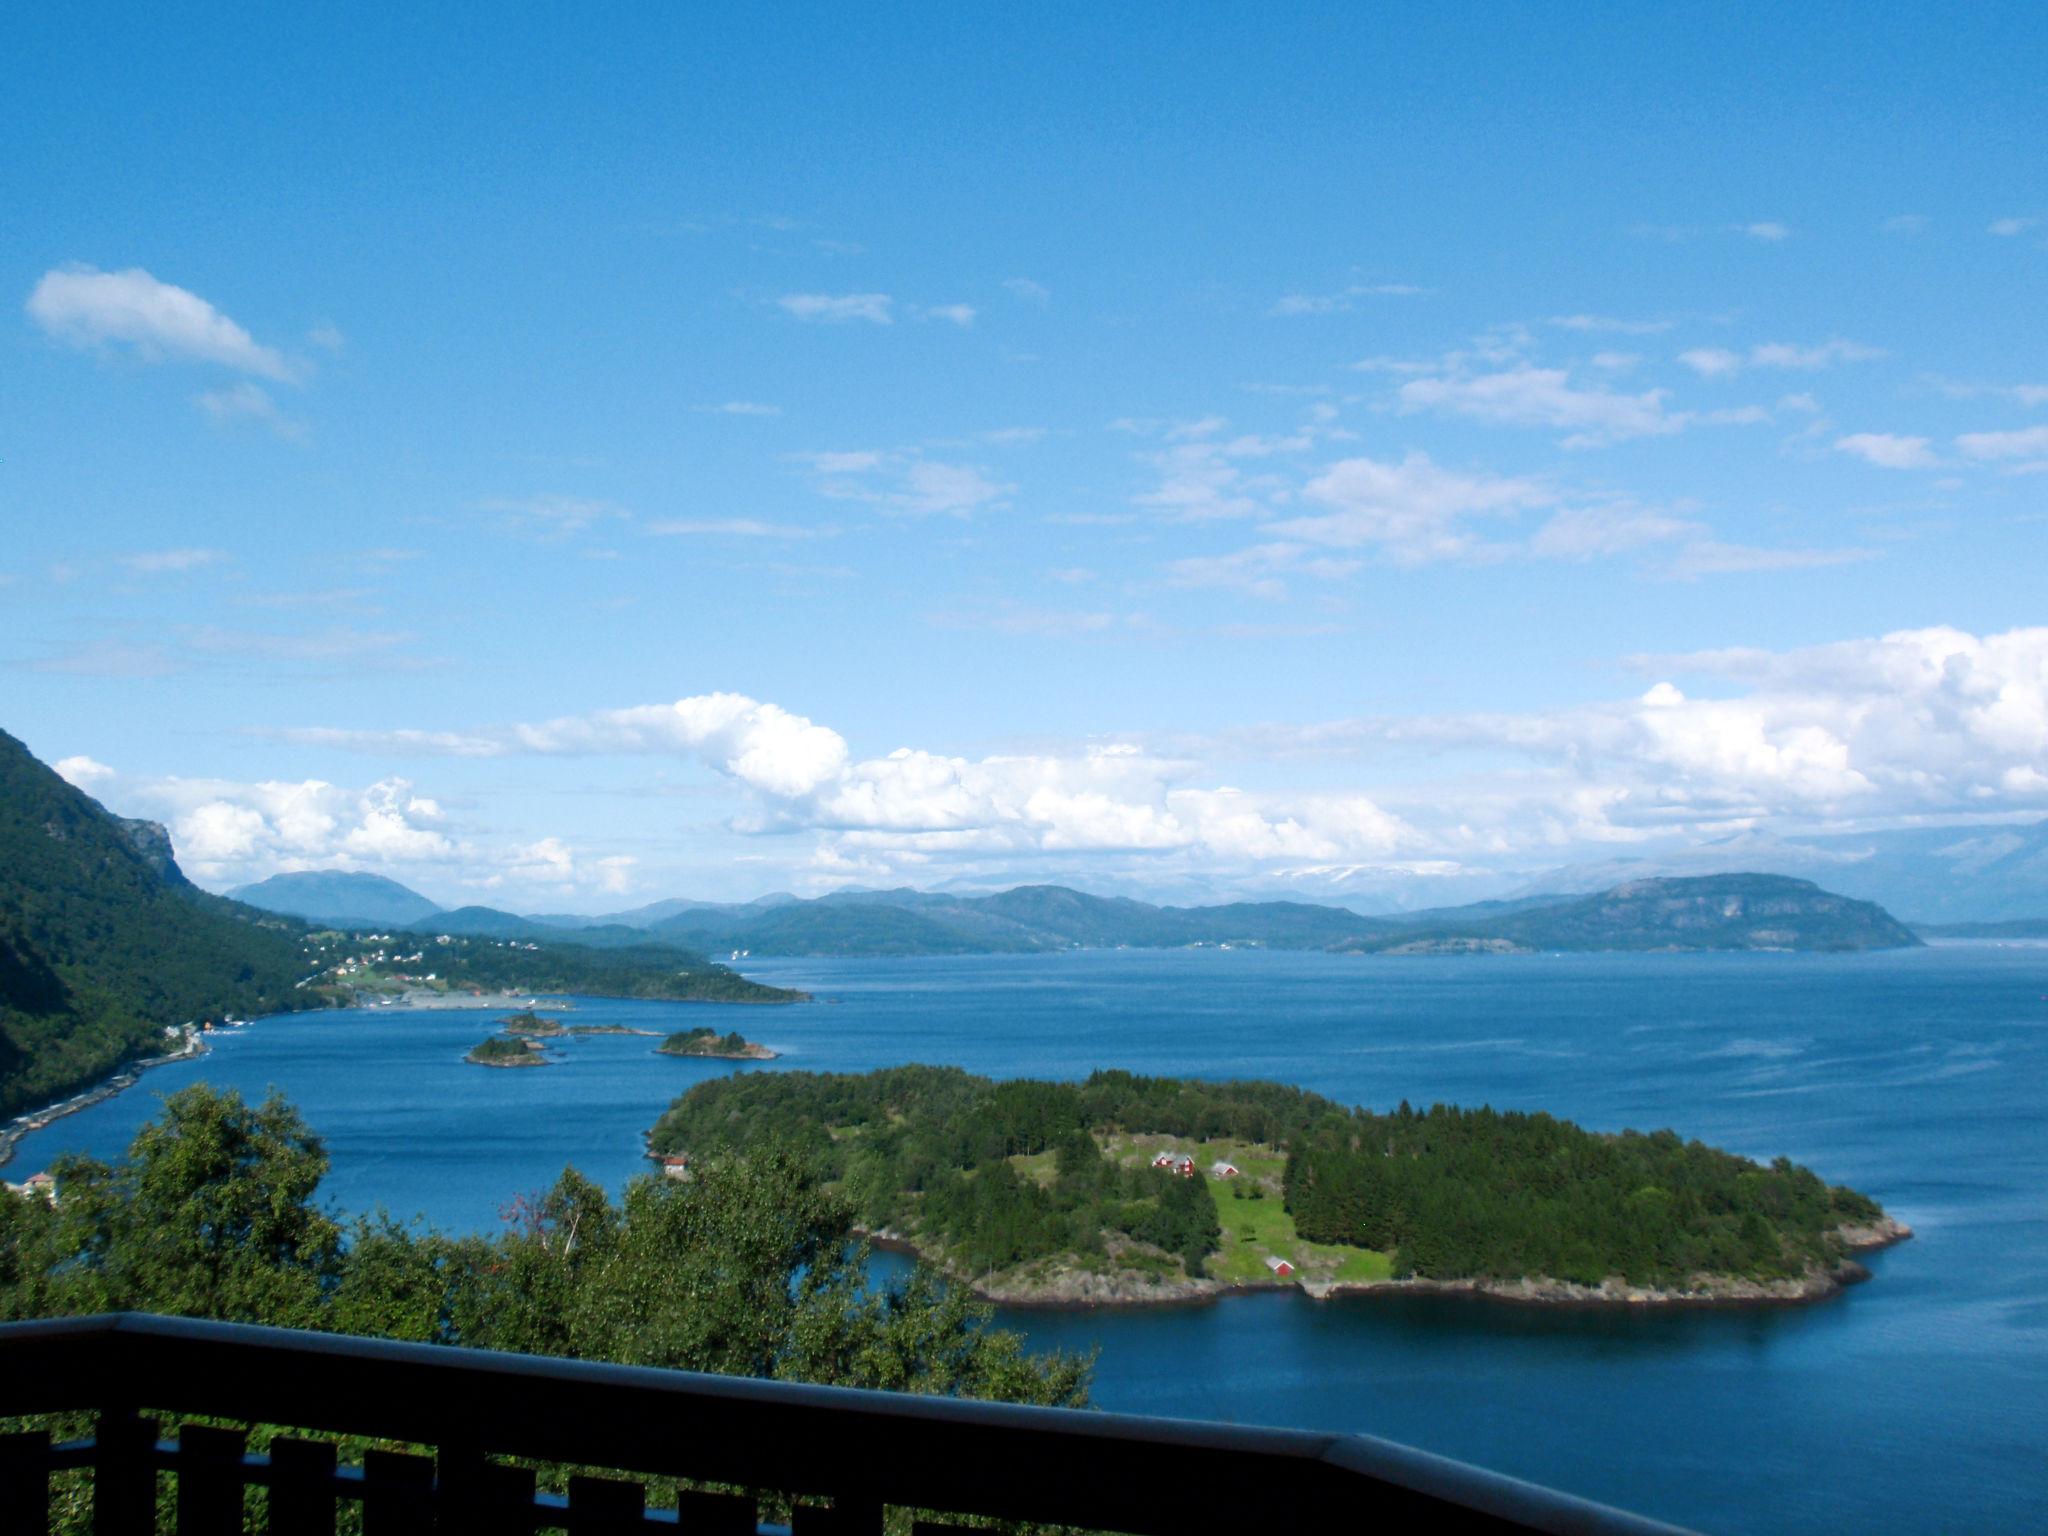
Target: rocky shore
[1050,1284]
[34,1120]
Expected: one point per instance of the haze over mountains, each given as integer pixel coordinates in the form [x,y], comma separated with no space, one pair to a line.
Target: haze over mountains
[1737,911]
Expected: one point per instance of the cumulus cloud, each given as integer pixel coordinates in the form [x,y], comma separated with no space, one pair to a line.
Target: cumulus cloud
[1924,722]
[742,408]
[1031,292]
[835,309]
[1888,450]
[916,804]
[2009,227]
[85,307]
[225,831]
[82,772]
[1768,230]
[961,315]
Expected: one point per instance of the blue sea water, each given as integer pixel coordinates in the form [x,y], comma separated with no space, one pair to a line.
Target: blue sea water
[1916,1402]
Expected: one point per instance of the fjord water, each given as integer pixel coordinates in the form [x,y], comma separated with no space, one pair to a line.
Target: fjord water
[1918,1401]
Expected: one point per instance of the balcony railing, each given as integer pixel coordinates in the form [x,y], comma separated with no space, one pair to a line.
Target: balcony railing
[839,1459]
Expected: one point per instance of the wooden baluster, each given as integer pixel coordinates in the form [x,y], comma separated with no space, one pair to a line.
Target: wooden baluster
[715,1514]
[508,1498]
[847,1516]
[398,1494]
[209,1481]
[25,1484]
[302,1498]
[605,1504]
[124,1474]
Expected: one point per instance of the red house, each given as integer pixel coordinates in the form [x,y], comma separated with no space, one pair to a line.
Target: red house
[1279,1266]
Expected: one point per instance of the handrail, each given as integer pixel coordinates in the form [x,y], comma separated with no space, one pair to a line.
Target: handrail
[861,1449]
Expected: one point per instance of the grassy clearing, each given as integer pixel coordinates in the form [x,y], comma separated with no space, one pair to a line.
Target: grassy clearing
[1254,1229]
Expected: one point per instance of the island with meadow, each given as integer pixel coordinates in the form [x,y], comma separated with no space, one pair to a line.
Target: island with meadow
[1132,1189]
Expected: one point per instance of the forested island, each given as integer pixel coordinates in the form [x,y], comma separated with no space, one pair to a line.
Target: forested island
[507,1051]
[705,1041]
[1126,1188]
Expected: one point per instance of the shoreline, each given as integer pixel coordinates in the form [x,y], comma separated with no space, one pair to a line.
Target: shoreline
[1088,1292]
[27,1123]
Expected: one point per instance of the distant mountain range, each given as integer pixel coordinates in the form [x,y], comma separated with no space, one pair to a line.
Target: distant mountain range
[340,897]
[1735,911]
[1971,874]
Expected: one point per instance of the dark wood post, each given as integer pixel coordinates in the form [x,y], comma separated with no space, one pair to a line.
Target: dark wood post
[124,1474]
[302,1499]
[209,1481]
[25,1484]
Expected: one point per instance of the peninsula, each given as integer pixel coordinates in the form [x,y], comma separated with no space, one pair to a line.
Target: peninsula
[705,1041]
[1127,1189]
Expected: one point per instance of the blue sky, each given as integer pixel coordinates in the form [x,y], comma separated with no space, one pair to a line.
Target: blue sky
[567,460]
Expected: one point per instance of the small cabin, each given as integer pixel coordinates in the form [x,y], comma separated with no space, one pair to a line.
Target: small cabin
[1184,1166]
[1223,1170]
[1163,1160]
[674,1165]
[1279,1266]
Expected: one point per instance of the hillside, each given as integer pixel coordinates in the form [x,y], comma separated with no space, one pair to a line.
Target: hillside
[1718,912]
[339,898]
[103,943]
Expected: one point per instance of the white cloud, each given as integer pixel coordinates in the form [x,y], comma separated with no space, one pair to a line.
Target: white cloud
[1413,510]
[1711,557]
[1609,323]
[1906,224]
[86,307]
[839,308]
[907,482]
[1259,571]
[1024,288]
[2012,226]
[547,516]
[82,772]
[729,527]
[1767,230]
[1586,533]
[1711,362]
[1344,300]
[1888,450]
[742,408]
[1526,396]
[2028,442]
[961,315]
[1719,362]
[243,401]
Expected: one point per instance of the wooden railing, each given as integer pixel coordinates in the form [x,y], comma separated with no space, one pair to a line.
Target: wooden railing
[838,1459]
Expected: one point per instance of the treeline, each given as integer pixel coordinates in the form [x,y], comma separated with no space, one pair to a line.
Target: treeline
[1450,1193]
[1457,1193]
[749,1268]
[655,971]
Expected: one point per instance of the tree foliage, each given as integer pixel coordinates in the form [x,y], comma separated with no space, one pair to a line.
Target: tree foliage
[749,1267]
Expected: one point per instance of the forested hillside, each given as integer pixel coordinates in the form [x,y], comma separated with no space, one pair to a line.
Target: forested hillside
[103,942]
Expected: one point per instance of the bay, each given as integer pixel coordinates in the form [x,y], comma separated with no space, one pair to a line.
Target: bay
[1916,1401]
